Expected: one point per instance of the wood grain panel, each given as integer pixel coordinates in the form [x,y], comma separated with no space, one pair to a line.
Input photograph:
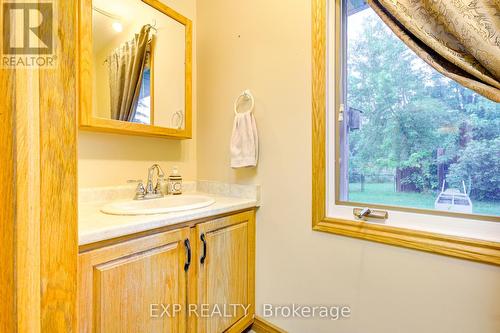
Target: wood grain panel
[465,248]
[8,313]
[38,119]
[118,283]
[20,199]
[58,177]
[123,127]
[125,288]
[27,180]
[228,274]
[318,109]
[85,61]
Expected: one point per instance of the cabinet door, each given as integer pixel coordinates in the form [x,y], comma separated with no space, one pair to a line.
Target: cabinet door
[225,273]
[136,286]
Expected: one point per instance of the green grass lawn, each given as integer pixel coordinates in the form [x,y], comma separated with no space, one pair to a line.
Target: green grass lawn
[384,194]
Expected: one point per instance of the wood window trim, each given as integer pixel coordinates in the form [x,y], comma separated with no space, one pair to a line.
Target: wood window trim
[460,247]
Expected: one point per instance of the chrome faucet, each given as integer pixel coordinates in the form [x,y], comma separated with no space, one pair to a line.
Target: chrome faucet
[151,192]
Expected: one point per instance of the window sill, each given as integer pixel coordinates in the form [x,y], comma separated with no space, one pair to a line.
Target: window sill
[464,248]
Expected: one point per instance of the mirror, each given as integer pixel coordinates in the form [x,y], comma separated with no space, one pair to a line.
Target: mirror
[135,68]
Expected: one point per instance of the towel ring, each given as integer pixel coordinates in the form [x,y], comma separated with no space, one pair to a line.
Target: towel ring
[247,95]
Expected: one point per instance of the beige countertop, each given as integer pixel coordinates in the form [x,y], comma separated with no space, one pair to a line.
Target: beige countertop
[95,226]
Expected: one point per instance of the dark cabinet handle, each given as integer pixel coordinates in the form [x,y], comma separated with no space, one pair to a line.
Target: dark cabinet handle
[188,249]
[204,256]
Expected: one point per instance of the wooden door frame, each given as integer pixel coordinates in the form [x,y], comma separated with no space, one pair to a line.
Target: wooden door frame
[39,236]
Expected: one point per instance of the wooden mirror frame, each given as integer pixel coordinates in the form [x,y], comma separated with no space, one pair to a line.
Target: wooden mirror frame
[87,120]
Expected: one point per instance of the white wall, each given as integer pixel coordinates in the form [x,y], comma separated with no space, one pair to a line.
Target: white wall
[265,46]
[111,159]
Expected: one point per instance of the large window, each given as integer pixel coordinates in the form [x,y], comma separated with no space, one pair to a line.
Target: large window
[411,137]
[392,134]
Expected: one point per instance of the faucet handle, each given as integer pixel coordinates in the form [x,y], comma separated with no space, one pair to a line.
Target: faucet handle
[161,186]
[140,191]
[158,188]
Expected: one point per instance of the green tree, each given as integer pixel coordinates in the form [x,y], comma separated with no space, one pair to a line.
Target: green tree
[400,128]
[410,110]
[479,166]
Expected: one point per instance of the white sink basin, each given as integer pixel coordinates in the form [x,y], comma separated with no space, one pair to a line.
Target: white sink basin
[167,204]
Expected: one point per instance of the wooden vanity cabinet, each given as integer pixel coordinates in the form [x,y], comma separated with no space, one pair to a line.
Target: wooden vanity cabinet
[145,285]
[121,284]
[226,272]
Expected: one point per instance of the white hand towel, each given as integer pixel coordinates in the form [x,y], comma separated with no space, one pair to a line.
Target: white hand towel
[244,141]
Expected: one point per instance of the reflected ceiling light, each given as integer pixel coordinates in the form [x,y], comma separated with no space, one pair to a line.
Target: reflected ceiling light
[117,26]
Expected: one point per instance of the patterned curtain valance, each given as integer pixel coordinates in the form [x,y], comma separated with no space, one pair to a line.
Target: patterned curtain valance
[459,38]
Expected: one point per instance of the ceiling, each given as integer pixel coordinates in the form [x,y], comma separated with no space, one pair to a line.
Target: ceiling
[128,12]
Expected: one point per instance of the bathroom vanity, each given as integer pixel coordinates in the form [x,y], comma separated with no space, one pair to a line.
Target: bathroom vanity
[187,271]
[145,266]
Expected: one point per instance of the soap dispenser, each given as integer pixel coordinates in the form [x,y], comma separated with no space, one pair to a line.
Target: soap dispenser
[175,182]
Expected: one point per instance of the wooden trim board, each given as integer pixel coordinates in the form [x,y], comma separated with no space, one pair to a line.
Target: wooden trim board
[464,248]
[8,314]
[39,189]
[59,178]
[262,326]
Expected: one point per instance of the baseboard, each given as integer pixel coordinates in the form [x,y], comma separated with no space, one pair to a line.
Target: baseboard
[262,326]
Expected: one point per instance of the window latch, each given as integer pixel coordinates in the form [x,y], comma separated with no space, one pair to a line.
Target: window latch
[365,213]
[341,112]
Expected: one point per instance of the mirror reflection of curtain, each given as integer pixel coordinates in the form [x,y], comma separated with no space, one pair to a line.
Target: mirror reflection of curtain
[126,66]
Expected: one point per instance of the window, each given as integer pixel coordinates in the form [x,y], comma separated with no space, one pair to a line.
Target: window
[143,111]
[401,137]
[412,137]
